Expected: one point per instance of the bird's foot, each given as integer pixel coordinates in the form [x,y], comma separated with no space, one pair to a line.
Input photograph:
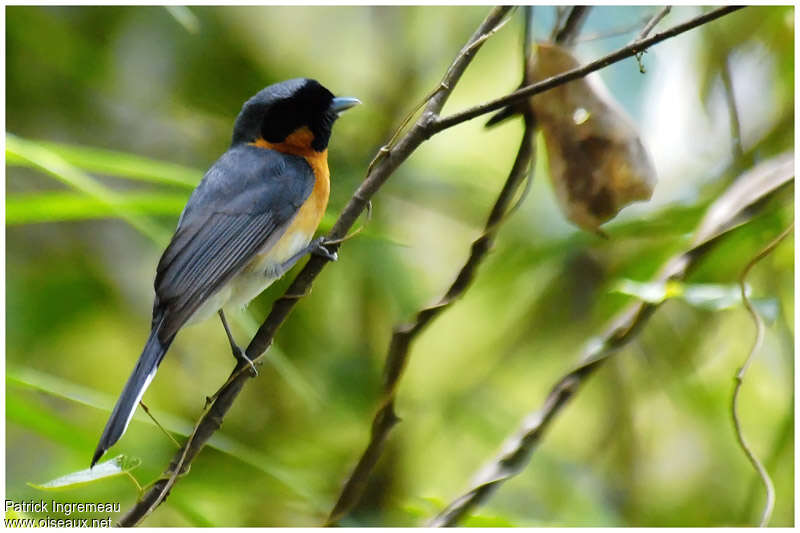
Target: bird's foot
[242,359]
[317,247]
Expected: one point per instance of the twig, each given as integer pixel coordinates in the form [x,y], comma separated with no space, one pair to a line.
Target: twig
[733,113]
[561,16]
[769,503]
[646,31]
[387,148]
[652,23]
[527,37]
[782,441]
[157,423]
[567,33]
[517,450]
[399,346]
[160,488]
[580,72]
[377,176]
[403,335]
[611,33]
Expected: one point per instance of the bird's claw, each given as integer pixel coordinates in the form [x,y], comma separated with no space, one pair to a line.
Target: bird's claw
[318,248]
[242,358]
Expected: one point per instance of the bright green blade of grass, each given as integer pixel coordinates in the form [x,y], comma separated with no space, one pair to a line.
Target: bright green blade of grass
[43,422]
[61,206]
[53,164]
[69,164]
[55,386]
[109,162]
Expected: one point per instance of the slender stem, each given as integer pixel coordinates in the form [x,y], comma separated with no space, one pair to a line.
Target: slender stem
[404,334]
[733,112]
[769,488]
[652,23]
[580,72]
[569,31]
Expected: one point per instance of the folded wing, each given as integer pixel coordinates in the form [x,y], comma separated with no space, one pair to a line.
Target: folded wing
[243,205]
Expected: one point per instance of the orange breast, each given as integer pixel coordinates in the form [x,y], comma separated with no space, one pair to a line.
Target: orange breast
[310,213]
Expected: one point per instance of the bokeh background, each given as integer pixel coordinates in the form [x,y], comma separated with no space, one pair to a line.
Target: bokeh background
[113,113]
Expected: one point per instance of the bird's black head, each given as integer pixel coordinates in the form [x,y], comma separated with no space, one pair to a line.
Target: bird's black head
[281,109]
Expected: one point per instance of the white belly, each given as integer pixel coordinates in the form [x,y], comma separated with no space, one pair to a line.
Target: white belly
[254,278]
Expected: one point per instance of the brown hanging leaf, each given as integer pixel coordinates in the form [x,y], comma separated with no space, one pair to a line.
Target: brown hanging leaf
[598,164]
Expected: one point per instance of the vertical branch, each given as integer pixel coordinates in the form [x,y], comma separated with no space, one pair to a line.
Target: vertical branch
[652,22]
[527,37]
[566,35]
[733,113]
[403,336]
[769,488]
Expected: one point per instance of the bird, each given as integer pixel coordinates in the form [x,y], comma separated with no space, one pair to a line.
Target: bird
[248,221]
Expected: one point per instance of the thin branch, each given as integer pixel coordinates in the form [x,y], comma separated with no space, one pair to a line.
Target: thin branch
[769,488]
[782,441]
[652,23]
[733,113]
[527,36]
[561,16]
[517,450]
[598,36]
[403,335]
[646,31]
[158,424]
[649,24]
[580,72]
[569,31]
[377,176]
[399,346]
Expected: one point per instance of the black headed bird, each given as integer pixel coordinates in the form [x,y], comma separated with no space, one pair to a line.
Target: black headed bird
[248,221]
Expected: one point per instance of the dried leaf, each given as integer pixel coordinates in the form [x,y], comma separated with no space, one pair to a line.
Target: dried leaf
[598,164]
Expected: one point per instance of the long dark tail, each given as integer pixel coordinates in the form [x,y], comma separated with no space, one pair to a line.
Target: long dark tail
[121,416]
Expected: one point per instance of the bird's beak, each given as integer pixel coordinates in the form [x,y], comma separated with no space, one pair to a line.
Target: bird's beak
[343,103]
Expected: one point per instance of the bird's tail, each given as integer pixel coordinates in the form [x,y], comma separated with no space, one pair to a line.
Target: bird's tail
[123,411]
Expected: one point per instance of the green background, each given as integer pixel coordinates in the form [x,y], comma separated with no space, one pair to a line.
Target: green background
[121,109]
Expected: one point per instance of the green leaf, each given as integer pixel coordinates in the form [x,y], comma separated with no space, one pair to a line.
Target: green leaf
[709,296]
[66,162]
[117,466]
[111,163]
[28,377]
[487,521]
[47,423]
[713,297]
[66,206]
[53,164]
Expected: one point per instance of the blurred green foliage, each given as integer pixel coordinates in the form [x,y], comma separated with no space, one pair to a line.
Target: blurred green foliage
[112,114]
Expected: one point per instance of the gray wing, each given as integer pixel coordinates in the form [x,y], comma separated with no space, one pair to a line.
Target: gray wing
[246,200]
